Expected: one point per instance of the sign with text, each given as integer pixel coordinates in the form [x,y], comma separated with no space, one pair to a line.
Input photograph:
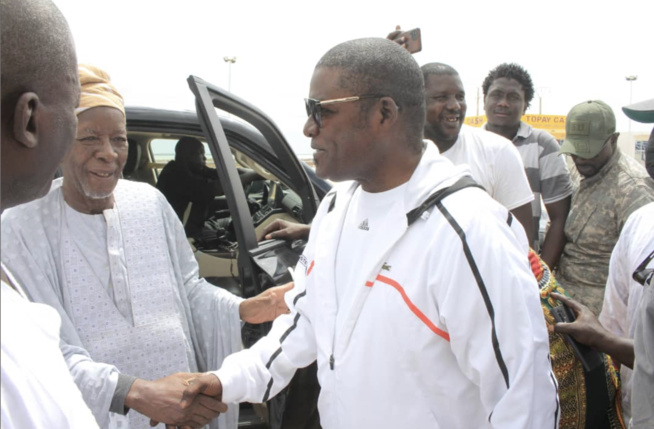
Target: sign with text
[553,124]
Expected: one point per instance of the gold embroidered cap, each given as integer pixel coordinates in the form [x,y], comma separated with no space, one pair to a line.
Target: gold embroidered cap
[97,90]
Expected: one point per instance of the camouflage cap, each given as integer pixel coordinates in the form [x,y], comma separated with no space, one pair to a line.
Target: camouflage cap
[587,127]
[641,112]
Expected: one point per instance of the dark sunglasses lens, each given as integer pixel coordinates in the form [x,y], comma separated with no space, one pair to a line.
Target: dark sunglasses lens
[310,105]
[313,109]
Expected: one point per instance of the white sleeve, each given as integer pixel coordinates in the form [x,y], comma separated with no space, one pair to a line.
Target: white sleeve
[212,313]
[259,373]
[37,274]
[512,188]
[496,325]
[616,295]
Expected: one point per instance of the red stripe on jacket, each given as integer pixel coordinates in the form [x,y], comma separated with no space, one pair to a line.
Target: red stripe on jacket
[415,310]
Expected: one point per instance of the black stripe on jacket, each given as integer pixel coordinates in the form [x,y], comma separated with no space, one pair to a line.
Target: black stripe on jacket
[279,350]
[482,289]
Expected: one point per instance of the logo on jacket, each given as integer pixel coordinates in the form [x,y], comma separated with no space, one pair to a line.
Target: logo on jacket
[364,225]
[386,267]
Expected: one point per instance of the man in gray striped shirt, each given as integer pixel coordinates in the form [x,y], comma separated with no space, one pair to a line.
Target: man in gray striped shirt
[508,90]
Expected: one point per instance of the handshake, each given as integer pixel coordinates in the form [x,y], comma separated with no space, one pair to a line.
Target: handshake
[183,400]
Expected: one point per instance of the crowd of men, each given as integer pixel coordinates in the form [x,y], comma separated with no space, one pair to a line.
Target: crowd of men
[420,293]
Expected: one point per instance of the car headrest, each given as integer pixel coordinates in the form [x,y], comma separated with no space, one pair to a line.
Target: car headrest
[133,157]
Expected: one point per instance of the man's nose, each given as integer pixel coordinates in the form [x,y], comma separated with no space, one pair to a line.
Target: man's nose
[311,128]
[453,104]
[106,151]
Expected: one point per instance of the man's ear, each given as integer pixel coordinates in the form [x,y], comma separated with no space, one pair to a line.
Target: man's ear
[389,111]
[26,117]
[615,140]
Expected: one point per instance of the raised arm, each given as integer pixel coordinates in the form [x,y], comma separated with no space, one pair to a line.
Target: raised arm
[555,238]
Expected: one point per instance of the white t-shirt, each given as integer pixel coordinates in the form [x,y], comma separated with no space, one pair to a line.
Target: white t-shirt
[38,390]
[494,163]
[365,213]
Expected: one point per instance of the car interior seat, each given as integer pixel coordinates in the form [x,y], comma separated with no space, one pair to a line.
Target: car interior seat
[133,159]
[137,167]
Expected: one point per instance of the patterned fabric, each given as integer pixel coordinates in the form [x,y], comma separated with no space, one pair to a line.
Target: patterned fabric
[569,372]
[97,91]
[136,331]
[599,210]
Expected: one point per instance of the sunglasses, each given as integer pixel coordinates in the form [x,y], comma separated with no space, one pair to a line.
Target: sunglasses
[314,107]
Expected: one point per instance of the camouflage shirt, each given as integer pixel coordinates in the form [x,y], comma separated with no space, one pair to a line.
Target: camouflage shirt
[600,207]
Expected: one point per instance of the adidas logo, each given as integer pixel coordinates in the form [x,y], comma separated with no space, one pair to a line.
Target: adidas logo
[364,225]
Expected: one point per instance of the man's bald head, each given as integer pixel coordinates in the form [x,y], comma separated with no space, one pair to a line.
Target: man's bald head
[36,45]
[40,90]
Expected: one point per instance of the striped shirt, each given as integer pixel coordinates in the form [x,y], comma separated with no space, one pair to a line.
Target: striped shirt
[546,171]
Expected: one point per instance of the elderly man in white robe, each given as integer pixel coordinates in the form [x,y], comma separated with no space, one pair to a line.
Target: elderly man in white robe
[112,257]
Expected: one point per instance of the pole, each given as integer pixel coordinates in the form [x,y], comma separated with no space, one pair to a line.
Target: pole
[229,82]
[229,61]
[477,101]
[631,80]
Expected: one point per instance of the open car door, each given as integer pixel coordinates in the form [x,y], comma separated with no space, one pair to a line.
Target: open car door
[265,264]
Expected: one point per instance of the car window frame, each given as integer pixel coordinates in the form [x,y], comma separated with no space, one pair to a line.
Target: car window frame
[208,97]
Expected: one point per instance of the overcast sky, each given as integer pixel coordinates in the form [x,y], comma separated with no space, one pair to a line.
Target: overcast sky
[575,50]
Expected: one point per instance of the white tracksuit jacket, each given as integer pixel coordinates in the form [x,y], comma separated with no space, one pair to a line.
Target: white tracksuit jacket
[447,333]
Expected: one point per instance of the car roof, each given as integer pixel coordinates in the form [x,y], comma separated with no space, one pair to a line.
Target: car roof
[186,121]
[141,118]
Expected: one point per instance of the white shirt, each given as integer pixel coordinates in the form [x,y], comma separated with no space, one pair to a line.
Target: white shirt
[365,215]
[494,163]
[37,388]
[623,294]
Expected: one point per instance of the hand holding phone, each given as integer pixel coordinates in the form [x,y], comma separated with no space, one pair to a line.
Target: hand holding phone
[410,40]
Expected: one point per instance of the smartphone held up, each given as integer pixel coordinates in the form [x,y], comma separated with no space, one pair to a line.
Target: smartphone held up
[412,41]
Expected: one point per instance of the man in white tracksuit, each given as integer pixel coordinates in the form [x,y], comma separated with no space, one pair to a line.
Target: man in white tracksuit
[420,315]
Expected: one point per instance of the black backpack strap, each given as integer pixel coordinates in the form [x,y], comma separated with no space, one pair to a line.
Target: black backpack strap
[464,182]
[332,203]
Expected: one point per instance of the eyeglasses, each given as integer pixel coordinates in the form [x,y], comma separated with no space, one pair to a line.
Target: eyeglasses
[642,274]
[314,106]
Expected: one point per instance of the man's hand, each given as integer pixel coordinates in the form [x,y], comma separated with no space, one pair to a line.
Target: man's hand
[266,306]
[207,384]
[588,330]
[395,37]
[161,400]
[286,230]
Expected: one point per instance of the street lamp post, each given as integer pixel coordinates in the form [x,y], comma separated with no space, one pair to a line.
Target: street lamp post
[230,61]
[631,80]
[477,101]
